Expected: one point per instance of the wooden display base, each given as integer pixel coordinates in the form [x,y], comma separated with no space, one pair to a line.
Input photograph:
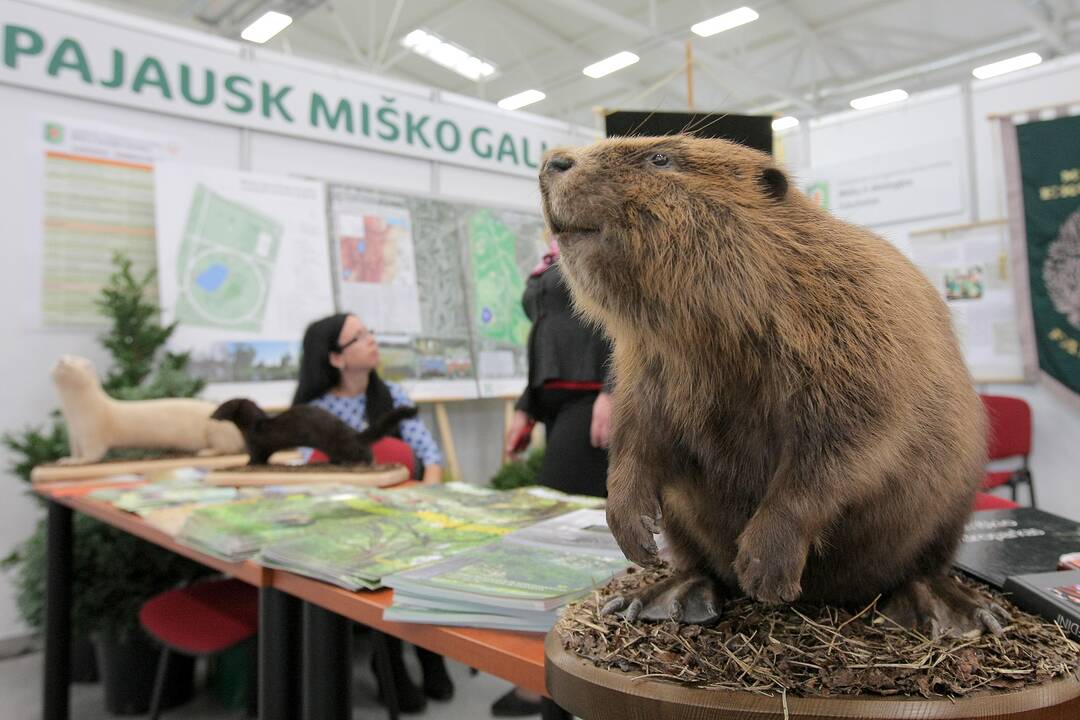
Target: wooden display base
[55,472]
[592,693]
[376,476]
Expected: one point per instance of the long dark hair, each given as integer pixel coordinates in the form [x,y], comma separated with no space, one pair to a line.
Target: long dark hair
[318,376]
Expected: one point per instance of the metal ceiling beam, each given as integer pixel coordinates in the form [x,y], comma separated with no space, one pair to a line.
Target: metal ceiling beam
[390,28]
[808,35]
[1042,17]
[346,36]
[732,73]
[969,57]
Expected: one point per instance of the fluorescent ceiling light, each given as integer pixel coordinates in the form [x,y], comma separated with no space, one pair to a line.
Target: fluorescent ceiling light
[450,56]
[785,123]
[609,65]
[522,99]
[266,27]
[1007,65]
[879,99]
[720,23]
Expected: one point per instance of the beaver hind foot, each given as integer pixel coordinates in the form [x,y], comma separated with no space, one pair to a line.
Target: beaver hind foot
[944,607]
[689,597]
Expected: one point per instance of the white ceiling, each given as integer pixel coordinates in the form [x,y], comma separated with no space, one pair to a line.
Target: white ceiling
[802,57]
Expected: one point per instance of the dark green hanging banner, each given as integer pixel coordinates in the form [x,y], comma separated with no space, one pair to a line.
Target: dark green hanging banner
[1049,154]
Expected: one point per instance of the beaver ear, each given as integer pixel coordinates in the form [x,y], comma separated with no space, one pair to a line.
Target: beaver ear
[775,183]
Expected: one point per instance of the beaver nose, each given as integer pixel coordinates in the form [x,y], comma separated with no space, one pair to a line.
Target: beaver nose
[559,163]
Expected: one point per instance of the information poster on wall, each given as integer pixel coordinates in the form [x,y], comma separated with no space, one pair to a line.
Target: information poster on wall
[914,184]
[97,195]
[243,267]
[503,246]
[418,310]
[971,268]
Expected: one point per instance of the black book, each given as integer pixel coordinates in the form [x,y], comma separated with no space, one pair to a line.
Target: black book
[998,544]
[1054,595]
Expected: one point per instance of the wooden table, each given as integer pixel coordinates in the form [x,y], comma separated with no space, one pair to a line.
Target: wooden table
[293,611]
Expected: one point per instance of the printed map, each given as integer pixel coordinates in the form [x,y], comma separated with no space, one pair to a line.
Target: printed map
[225,263]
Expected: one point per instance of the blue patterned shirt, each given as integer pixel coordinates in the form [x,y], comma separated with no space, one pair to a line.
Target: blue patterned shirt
[413,431]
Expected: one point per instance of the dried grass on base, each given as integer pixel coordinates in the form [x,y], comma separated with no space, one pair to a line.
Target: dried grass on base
[815,651]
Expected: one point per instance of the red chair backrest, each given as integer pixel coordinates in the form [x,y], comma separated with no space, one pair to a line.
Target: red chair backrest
[386,451]
[1010,426]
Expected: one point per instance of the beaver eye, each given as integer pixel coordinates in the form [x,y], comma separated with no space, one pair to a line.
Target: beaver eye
[659,160]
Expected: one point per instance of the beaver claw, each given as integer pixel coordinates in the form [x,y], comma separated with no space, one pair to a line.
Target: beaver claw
[946,608]
[636,535]
[691,598]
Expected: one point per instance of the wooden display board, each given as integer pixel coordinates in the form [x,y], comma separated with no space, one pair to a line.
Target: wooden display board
[56,472]
[377,476]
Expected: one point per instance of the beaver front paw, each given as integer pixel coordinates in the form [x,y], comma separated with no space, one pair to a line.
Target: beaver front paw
[770,563]
[685,597]
[634,526]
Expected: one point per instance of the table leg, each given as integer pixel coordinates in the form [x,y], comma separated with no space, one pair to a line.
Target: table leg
[279,656]
[327,665]
[550,711]
[57,685]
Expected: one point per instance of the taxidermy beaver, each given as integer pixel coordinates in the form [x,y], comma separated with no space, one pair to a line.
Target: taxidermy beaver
[306,426]
[789,394]
[97,423]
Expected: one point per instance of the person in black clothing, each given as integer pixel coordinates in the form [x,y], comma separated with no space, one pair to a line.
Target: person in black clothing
[569,388]
[569,391]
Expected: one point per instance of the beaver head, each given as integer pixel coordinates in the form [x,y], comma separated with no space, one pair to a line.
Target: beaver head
[664,231]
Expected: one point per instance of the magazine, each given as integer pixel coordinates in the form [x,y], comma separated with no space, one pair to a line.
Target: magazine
[509,576]
[582,531]
[1054,595]
[357,552]
[236,531]
[998,544]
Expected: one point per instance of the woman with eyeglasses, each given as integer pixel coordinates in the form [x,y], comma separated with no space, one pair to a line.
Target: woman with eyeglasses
[337,373]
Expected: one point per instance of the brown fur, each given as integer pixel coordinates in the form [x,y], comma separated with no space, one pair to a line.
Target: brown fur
[788,392]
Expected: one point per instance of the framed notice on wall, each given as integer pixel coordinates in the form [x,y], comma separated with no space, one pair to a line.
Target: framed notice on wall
[916,183]
[971,268]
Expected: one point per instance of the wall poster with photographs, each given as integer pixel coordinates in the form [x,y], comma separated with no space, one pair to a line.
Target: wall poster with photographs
[970,267]
[418,310]
[441,284]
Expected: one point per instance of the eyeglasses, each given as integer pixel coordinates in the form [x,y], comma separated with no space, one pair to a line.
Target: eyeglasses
[362,335]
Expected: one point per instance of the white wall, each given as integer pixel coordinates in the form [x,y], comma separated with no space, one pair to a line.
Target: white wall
[946,115]
[29,350]
[928,119]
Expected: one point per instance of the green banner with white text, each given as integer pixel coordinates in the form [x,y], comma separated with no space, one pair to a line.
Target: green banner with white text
[1049,154]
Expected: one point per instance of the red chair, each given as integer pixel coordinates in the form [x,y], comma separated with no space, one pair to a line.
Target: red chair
[197,620]
[386,451]
[986,501]
[1010,437]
